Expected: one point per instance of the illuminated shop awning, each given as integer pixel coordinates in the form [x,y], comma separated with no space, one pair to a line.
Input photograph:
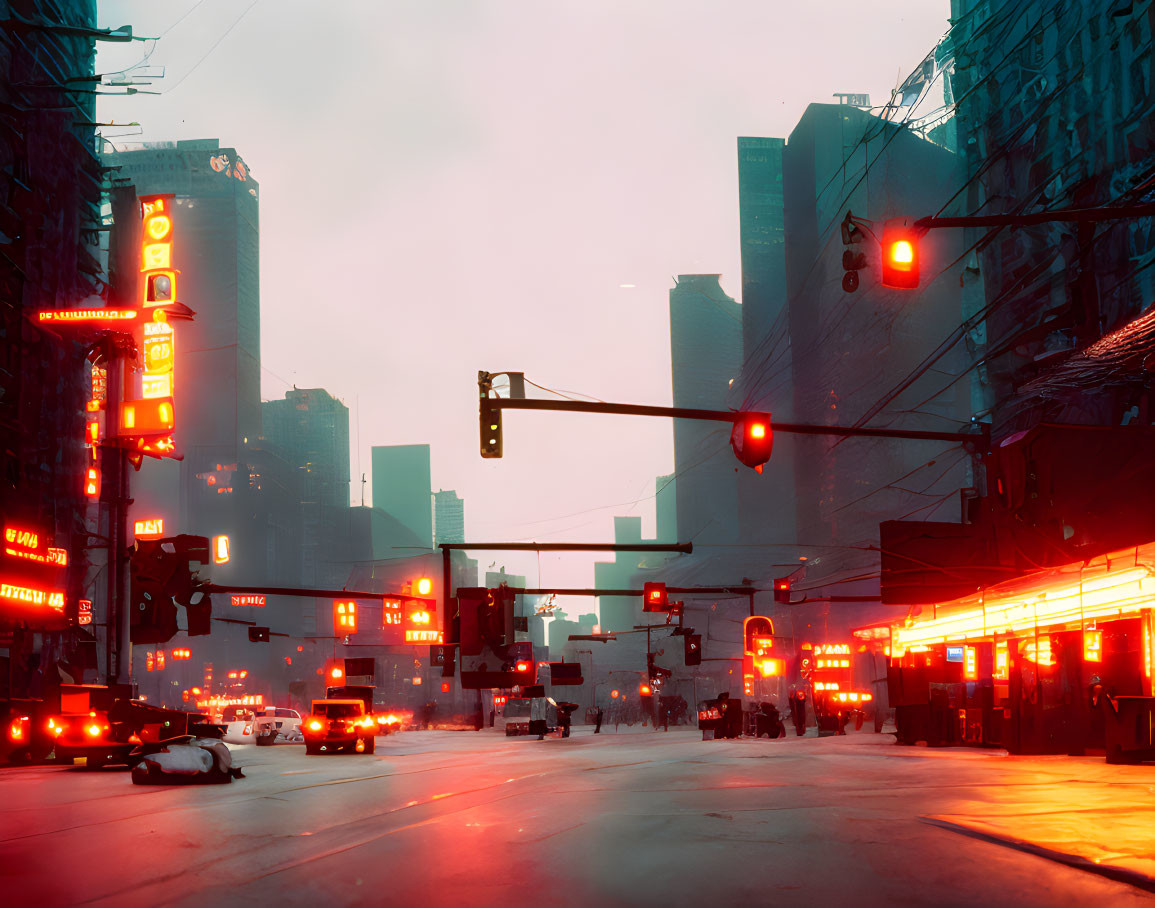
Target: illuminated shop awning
[1118,585]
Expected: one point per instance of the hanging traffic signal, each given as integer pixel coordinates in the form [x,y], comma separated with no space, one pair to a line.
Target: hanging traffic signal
[852,260]
[752,439]
[92,482]
[757,635]
[782,590]
[655,598]
[260,635]
[693,644]
[344,616]
[490,429]
[900,266]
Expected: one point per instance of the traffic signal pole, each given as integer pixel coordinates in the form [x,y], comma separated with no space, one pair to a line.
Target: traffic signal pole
[982,436]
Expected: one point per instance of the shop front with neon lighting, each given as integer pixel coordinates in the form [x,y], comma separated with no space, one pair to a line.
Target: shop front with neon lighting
[1036,665]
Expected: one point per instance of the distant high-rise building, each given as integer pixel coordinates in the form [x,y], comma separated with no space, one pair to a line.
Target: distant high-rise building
[705,355]
[401,487]
[216,384]
[448,517]
[762,238]
[310,429]
[766,500]
[217,253]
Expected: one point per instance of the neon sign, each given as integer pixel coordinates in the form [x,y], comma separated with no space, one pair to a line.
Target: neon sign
[832,649]
[423,636]
[28,595]
[84,612]
[87,315]
[257,599]
[1093,645]
[148,529]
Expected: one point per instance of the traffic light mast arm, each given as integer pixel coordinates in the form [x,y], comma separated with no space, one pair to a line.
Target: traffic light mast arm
[320,594]
[733,416]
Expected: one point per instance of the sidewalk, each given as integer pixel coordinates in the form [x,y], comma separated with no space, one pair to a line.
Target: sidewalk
[1082,812]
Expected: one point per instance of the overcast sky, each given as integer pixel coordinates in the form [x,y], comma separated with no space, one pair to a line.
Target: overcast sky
[468,184]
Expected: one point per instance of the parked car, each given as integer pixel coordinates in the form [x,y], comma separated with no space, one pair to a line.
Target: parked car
[335,725]
[262,725]
[528,716]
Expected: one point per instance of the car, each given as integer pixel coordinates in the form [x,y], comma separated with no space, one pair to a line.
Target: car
[89,735]
[528,716]
[278,725]
[337,725]
[262,725]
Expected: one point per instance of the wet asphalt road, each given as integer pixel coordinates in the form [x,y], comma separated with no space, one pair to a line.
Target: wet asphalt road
[465,818]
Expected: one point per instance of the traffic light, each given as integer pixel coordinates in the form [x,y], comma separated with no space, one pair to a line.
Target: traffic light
[853,261]
[335,672]
[693,644]
[757,634]
[490,428]
[752,439]
[221,550]
[152,572]
[900,266]
[782,590]
[645,690]
[146,417]
[259,635]
[344,617]
[92,482]
[655,598]
[423,586]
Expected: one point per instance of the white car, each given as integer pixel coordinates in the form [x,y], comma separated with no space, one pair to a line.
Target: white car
[265,725]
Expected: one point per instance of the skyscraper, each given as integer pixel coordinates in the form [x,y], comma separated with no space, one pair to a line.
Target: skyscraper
[705,355]
[766,501]
[218,486]
[310,429]
[448,517]
[216,251]
[401,487]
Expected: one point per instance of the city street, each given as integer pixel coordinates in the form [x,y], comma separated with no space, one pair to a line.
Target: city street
[640,818]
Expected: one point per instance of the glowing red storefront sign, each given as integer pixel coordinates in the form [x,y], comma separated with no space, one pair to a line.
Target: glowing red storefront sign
[84,611]
[148,529]
[87,315]
[29,545]
[30,595]
[423,636]
[257,599]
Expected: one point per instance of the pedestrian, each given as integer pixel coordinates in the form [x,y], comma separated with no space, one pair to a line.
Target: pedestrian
[798,711]
[598,724]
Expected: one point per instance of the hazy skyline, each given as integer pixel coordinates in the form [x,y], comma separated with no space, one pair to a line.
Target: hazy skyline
[447,187]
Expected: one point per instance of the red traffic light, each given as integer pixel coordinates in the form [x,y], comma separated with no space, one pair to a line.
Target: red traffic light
[753,439]
[900,266]
[782,590]
[645,690]
[522,666]
[655,598]
[344,616]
